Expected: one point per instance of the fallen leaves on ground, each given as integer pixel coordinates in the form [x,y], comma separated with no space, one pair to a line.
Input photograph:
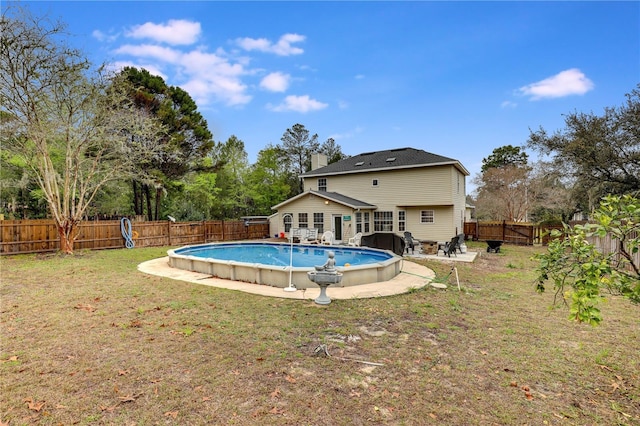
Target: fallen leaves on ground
[34,405]
[276,410]
[129,398]
[87,307]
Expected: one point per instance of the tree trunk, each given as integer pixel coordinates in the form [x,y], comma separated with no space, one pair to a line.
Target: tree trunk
[137,202]
[158,198]
[66,232]
[147,193]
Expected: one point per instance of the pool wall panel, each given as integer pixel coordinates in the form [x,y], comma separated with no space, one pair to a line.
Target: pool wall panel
[279,276]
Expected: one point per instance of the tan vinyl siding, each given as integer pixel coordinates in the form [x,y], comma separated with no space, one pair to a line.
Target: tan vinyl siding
[311,204]
[441,189]
[459,200]
[431,185]
[439,230]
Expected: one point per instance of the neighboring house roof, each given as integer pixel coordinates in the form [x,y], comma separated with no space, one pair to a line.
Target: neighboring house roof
[400,158]
[331,196]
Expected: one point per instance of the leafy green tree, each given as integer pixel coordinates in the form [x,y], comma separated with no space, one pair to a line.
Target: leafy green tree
[15,186]
[505,156]
[73,128]
[601,153]
[332,150]
[268,180]
[233,200]
[198,198]
[181,150]
[299,145]
[581,271]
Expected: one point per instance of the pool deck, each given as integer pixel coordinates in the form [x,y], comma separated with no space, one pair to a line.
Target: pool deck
[412,276]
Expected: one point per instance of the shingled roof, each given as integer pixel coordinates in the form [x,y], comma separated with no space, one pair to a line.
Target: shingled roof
[331,196]
[399,158]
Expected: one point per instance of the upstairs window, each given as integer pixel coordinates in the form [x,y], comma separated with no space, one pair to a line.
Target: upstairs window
[374,182]
[322,184]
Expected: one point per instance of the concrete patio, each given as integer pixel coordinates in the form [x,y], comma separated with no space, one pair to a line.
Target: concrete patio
[469,256]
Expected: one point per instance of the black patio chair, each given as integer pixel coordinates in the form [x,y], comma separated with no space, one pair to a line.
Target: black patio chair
[450,247]
[409,242]
[460,242]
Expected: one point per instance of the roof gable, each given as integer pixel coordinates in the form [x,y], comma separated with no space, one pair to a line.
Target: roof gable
[331,196]
[388,159]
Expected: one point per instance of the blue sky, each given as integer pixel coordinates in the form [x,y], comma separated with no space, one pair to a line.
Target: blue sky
[457,79]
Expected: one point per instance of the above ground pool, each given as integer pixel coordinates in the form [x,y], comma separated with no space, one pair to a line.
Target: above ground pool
[268,263]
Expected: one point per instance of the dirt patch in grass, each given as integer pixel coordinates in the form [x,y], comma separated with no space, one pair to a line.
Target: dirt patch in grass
[90,340]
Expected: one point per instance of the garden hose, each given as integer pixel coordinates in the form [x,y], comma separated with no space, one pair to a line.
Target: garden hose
[127,234]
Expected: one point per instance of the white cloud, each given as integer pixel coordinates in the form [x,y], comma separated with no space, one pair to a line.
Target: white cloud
[174,32]
[275,82]
[164,54]
[205,76]
[261,44]
[203,89]
[282,48]
[508,104]
[103,37]
[565,83]
[299,104]
[152,68]
[210,75]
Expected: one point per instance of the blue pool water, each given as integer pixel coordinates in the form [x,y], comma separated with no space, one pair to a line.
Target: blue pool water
[278,254]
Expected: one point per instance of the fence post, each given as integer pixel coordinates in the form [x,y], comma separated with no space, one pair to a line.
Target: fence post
[504,228]
[169,230]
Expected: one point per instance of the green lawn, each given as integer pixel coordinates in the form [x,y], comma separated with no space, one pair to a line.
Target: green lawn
[87,339]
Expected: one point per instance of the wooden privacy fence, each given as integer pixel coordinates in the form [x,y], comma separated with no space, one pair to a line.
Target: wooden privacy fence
[509,232]
[608,245]
[528,233]
[34,236]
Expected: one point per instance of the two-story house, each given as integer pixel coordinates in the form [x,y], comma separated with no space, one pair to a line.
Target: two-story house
[395,190]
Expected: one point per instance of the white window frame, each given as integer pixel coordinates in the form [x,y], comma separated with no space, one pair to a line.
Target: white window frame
[383,221]
[303,220]
[318,222]
[402,220]
[427,216]
[287,221]
[322,184]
